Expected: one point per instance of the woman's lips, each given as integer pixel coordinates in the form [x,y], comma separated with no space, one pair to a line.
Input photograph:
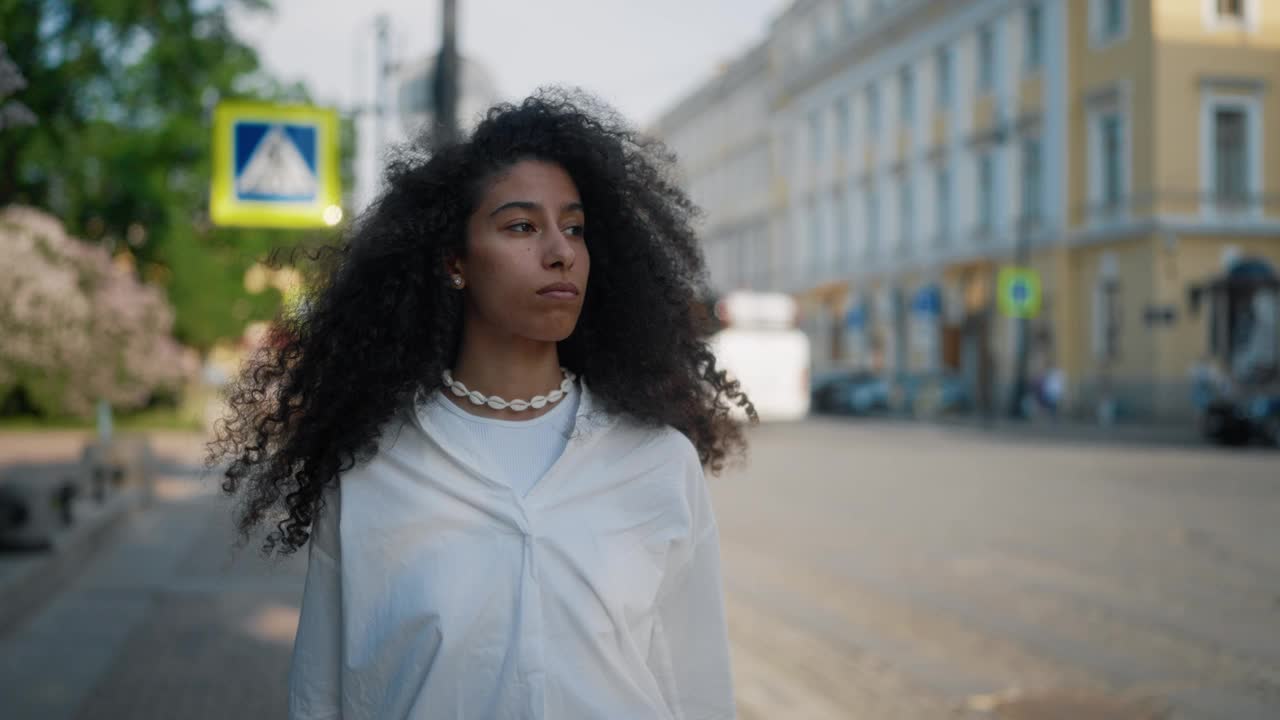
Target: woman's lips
[560,291]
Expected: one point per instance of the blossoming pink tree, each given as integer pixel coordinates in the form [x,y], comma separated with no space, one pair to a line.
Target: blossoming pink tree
[76,328]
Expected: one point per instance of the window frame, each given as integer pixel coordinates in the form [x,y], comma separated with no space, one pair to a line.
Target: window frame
[1211,102]
[987,51]
[815,130]
[1114,103]
[944,78]
[874,121]
[1034,52]
[843,129]
[906,212]
[871,203]
[942,203]
[1030,221]
[907,94]
[986,195]
[1101,36]
[1214,20]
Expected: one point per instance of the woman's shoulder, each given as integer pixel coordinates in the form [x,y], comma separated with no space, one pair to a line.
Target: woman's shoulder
[661,441]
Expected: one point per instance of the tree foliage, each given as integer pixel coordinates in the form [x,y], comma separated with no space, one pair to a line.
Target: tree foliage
[122,93]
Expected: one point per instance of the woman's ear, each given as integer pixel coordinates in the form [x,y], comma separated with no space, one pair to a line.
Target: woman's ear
[454,269]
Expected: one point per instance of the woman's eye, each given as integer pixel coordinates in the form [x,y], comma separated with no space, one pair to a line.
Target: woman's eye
[521,227]
[574,230]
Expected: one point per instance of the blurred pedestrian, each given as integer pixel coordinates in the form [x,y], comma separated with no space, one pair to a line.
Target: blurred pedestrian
[1206,383]
[492,425]
[1053,385]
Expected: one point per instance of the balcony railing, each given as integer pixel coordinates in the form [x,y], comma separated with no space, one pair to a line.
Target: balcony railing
[1179,203]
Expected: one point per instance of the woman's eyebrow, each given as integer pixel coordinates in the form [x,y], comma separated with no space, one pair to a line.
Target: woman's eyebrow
[519,204]
[529,205]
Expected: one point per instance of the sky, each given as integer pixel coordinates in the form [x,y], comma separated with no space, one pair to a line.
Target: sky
[639,55]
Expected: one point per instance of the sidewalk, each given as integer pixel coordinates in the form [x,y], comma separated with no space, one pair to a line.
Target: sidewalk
[161,620]
[40,458]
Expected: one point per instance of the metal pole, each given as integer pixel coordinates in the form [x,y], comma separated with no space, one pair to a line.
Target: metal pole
[380,104]
[1020,337]
[445,83]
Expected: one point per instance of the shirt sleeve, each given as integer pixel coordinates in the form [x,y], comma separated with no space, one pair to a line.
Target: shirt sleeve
[315,672]
[691,616]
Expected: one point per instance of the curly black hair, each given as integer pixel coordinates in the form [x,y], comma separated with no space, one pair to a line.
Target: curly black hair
[381,323]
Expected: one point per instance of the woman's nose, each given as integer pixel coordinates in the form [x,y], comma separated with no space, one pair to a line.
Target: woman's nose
[560,250]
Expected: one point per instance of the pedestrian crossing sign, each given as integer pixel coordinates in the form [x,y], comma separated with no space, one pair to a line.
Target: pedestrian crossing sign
[275,166]
[1019,292]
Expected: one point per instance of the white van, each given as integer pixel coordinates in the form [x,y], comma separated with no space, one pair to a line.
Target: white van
[760,347]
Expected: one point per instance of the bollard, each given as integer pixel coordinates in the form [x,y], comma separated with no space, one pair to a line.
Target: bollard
[125,461]
[35,505]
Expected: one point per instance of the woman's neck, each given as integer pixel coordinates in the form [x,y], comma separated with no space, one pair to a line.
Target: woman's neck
[509,367]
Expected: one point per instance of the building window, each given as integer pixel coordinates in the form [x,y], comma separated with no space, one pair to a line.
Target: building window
[849,12]
[1111,149]
[799,259]
[986,59]
[821,33]
[817,237]
[1109,20]
[842,123]
[986,191]
[1231,14]
[944,80]
[1032,182]
[1231,145]
[1108,157]
[942,204]
[841,228]
[1230,161]
[873,112]
[907,99]
[873,219]
[1107,310]
[1035,36]
[815,137]
[906,214]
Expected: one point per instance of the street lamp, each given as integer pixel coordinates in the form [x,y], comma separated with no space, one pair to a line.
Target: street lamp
[444,87]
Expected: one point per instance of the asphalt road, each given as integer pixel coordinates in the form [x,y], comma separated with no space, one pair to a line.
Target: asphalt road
[872,571]
[912,572]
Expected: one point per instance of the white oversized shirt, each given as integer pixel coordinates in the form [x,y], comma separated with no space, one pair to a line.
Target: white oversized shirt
[434,591]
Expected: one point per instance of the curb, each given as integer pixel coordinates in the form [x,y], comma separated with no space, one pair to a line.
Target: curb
[32,580]
[1066,431]
[1069,431]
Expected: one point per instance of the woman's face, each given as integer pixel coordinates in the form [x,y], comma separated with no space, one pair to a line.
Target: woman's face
[526,263]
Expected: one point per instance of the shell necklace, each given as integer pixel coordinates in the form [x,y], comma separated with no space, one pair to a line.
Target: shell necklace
[537,402]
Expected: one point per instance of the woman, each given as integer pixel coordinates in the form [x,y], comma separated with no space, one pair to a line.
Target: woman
[491,422]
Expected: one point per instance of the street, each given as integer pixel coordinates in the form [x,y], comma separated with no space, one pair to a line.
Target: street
[872,571]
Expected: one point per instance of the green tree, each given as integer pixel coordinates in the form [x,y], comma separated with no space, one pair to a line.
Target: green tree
[123,92]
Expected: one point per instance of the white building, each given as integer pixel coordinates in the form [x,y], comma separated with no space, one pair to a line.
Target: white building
[721,136]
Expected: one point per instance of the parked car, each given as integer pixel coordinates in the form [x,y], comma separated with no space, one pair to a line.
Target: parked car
[850,392]
[1240,422]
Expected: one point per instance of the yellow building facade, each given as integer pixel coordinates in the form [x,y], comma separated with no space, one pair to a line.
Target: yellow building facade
[1192,82]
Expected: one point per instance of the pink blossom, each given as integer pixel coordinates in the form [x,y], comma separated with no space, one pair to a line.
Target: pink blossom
[74,327]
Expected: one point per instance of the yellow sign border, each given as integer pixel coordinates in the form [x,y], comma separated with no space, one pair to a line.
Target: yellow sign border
[226,210]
